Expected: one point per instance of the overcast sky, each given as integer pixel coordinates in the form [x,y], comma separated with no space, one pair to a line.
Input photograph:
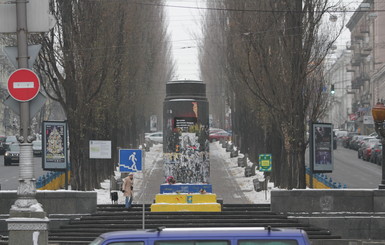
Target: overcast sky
[184,28]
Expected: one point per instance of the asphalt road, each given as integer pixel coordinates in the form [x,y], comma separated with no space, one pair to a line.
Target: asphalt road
[354,172]
[9,175]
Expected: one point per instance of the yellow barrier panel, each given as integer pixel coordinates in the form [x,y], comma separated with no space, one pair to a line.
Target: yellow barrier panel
[186,198]
[57,183]
[316,184]
[188,207]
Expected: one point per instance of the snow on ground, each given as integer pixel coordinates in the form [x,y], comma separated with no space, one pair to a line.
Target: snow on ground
[151,157]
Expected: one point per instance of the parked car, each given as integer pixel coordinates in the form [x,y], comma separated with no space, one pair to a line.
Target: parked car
[341,134]
[156,137]
[362,144]
[12,154]
[346,139]
[36,148]
[367,150]
[218,135]
[2,143]
[352,143]
[379,159]
[360,139]
[376,152]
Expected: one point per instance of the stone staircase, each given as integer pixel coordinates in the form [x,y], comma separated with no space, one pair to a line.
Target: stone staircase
[115,217]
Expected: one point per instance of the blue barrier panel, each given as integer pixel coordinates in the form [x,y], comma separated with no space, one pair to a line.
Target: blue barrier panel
[185,188]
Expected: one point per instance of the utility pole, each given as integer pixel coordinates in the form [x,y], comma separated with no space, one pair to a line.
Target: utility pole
[27,223]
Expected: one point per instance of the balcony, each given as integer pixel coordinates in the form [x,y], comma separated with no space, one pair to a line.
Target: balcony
[360,81]
[364,28]
[355,84]
[366,50]
[356,60]
[349,69]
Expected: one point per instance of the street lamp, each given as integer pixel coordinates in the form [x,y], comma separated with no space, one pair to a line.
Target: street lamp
[378,112]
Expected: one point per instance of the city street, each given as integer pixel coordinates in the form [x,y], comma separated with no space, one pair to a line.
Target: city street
[348,170]
[352,171]
[9,175]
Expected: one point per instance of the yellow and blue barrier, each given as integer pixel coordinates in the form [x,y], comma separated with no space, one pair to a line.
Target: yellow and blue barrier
[322,181]
[52,180]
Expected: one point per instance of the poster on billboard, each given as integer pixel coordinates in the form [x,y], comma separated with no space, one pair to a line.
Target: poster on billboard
[100,149]
[54,145]
[321,148]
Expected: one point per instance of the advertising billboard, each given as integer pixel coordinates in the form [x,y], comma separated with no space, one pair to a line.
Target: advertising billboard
[321,147]
[54,145]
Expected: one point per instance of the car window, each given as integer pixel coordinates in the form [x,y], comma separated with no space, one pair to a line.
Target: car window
[14,147]
[193,242]
[127,243]
[11,139]
[268,242]
[3,139]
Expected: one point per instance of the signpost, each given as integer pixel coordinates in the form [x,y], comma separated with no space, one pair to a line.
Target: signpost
[130,160]
[23,85]
[27,218]
[265,163]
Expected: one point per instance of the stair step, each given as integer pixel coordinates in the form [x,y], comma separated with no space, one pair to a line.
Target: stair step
[115,217]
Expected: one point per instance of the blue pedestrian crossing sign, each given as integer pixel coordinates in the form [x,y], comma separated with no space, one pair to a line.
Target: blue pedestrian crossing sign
[130,160]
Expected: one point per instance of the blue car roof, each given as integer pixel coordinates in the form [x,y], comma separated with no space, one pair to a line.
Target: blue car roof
[203,233]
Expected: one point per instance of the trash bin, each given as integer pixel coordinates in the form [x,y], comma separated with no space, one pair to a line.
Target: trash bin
[234,153]
[248,171]
[255,168]
[257,186]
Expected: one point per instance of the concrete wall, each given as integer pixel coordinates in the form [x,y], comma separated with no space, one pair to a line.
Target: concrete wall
[60,206]
[351,214]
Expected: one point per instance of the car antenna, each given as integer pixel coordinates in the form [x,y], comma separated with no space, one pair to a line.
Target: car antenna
[268,229]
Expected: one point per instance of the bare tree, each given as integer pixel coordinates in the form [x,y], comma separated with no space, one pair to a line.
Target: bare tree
[98,63]
[274,52]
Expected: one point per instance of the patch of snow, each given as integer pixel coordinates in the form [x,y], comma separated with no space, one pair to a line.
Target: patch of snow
[155,154]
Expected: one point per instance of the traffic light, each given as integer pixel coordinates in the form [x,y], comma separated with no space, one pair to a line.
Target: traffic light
[332,89]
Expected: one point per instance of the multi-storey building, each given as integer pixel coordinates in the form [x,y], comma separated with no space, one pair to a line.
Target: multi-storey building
[367,61]
[341,101]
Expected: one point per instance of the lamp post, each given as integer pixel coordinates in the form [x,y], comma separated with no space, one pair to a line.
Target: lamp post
[378,112]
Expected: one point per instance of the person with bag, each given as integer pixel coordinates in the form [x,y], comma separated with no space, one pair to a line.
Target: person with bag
[128,189]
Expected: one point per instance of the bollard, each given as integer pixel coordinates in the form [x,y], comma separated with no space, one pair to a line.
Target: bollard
[254,168]
[247,171]
[234,153]
[257,186]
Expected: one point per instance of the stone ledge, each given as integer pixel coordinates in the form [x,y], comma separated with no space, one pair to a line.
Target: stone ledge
[55,202]
[330,200]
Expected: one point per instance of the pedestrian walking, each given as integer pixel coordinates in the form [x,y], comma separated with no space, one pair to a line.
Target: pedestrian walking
[128,189]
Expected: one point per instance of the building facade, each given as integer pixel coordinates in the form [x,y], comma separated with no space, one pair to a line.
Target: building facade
[341,101]
[367,62]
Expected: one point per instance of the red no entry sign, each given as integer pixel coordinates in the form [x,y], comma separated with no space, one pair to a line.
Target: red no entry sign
[23,85]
